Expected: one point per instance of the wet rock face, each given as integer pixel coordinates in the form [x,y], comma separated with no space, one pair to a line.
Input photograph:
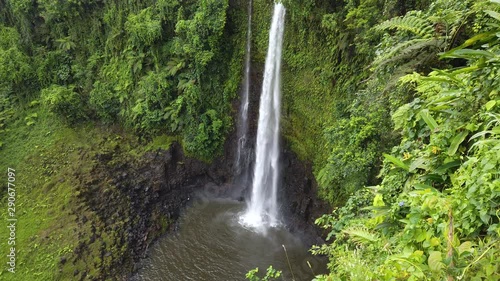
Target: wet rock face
[300,205]
[168,186]
[126,203]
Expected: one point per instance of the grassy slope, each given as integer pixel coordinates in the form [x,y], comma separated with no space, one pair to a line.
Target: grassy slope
[38,157]
[47,157]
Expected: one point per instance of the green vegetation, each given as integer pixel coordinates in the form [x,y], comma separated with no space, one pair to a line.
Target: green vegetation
[394,104]
[83,82]
[47,157]
[155,67]
[435,213]
[271,274]
[399,97]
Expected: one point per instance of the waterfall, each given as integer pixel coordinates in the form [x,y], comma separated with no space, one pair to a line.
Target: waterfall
[243,153]
[263,207]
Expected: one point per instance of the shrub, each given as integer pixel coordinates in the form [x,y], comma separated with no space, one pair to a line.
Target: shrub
[143,28]
[104,102]
[64,101]
[205,140]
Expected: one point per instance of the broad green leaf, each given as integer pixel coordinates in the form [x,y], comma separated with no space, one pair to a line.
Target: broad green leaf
[435,261]
[456,141]
[444,168]
[405,221]
[428,119]
[465,247]
[419,163]
[493,228]
[482,37]
[435,241]
[421,186]
[485,217]
[489,105]
[378,201]
[432,177]
[468,69]
[468,54]
[491,271]
[417,254]
[420,235]
[396,162]
[493,14]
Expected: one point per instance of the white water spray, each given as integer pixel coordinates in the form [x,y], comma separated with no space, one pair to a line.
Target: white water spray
[263,207]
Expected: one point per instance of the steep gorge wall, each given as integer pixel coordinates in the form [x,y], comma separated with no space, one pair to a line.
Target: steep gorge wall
[137,200]
[328,118]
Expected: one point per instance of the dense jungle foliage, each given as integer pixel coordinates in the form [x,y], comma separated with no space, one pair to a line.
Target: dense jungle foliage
[152,66]
[87,81]
[394,103]
[429,99]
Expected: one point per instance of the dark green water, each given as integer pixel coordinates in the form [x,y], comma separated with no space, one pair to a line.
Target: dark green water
[211,245]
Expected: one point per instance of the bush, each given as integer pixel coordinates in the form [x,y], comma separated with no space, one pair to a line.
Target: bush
[206,140]
[143,28]
[152,99]
[104,101]
[64,101]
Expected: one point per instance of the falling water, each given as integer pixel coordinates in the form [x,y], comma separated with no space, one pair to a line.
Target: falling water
[243,154]
[263,208]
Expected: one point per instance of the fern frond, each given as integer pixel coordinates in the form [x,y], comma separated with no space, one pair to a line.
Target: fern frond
[418,26]
[407,49]
[361,235]
[395,50]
